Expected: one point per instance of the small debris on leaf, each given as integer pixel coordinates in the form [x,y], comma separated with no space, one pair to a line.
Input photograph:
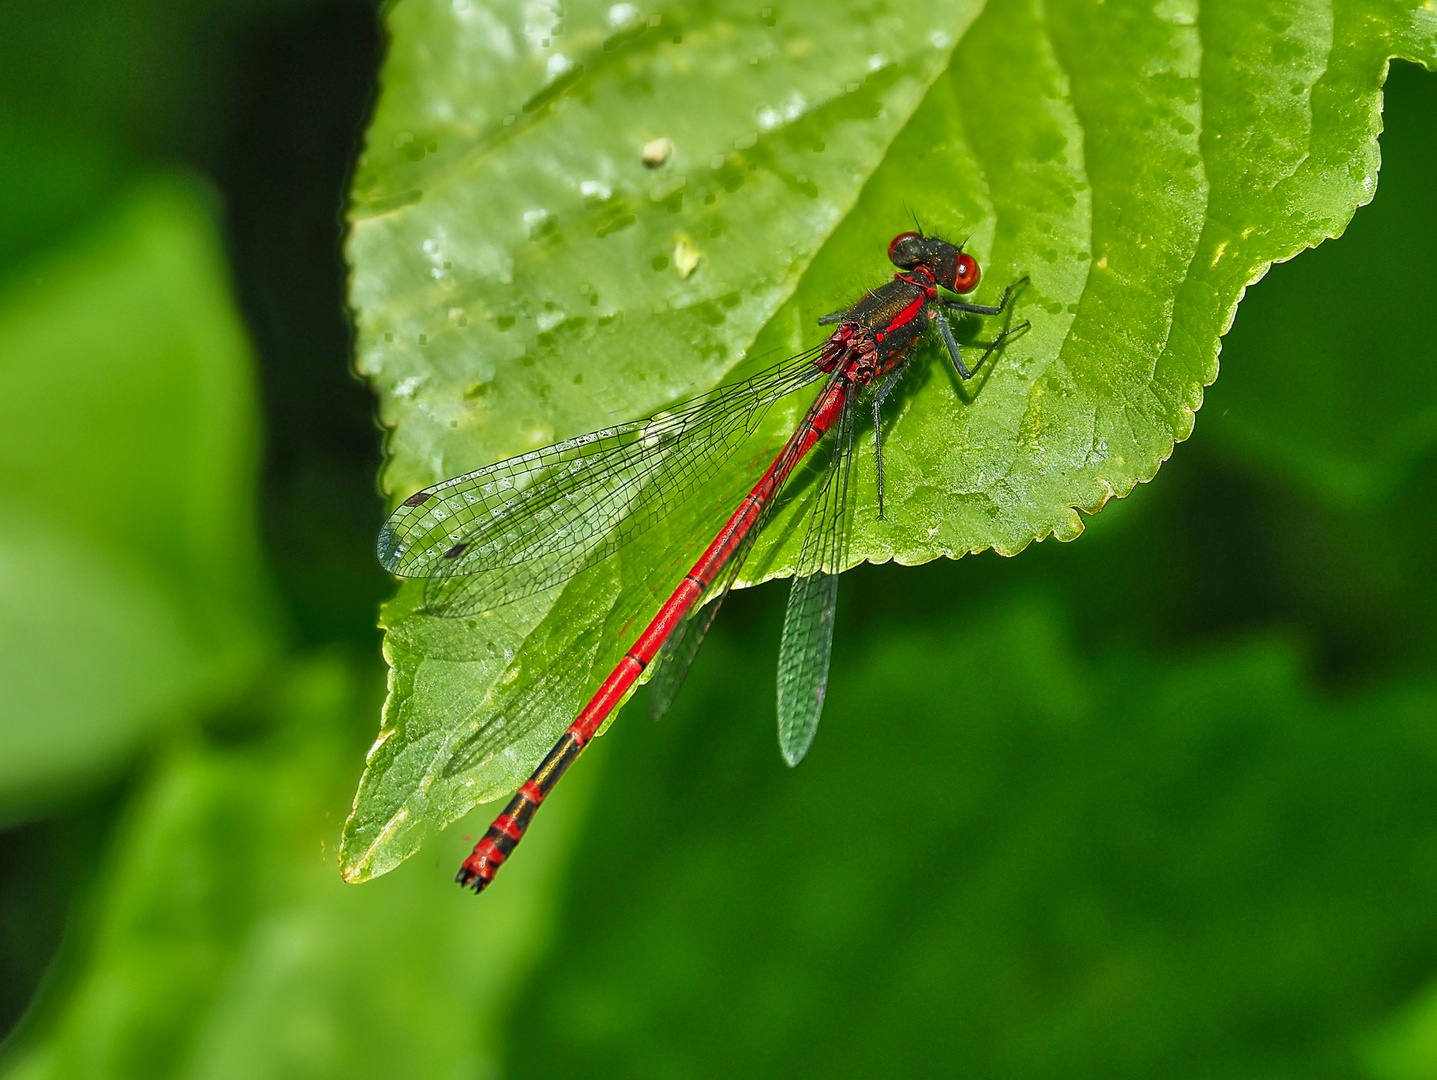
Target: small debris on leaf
[657,152]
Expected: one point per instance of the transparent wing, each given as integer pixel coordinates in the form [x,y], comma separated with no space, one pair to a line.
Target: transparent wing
[683,644]
[528,523]
[677,655]
[808,623]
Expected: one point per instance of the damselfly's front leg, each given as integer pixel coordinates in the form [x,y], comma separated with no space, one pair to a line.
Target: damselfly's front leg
[945,331]
[954,351]
[983,309]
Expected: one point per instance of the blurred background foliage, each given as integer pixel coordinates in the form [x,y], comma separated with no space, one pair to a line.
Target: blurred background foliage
[1169,792]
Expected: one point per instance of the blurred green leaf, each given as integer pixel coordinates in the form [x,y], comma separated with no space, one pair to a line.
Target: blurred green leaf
[517,276]
[1407,1048]
[49,179]
[1027,863]
[223,944]
[132,587]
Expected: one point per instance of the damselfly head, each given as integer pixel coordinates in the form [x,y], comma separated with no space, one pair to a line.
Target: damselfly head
[949,264]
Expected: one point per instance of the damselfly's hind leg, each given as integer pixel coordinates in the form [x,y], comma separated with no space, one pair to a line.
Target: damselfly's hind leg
[879,397]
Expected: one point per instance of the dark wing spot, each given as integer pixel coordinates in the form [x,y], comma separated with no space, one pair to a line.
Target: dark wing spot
[419,498]
[456,550]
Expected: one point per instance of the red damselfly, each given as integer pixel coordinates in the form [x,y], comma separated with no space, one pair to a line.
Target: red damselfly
[529,523]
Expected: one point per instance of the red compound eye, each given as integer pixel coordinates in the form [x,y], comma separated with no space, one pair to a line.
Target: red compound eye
[896,256]
[965,276]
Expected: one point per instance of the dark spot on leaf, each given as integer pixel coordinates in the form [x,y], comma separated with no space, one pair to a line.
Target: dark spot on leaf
[731,177]
[617,223]
[800,184]
[569,326]
[709,312]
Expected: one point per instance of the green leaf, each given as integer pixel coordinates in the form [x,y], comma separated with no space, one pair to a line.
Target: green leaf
[221,942]
[1406,1048]
[132,588]
[51,179]
[519,276]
